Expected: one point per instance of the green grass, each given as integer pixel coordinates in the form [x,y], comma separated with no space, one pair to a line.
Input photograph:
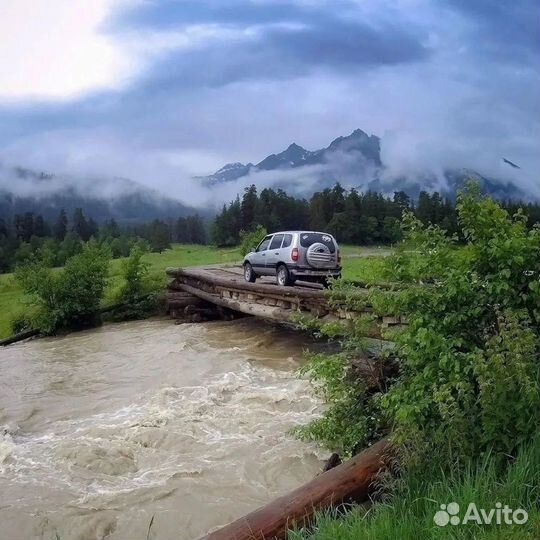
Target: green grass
[11,297]
[360,263]
[364,263]
[408,515]
[179,255]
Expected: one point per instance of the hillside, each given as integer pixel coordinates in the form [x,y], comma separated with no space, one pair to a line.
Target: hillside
[24,190]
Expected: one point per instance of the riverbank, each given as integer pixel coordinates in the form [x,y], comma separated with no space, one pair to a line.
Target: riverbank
[364,263]
[413,511]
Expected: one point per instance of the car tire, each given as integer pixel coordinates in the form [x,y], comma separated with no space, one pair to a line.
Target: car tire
[283,277]
[249,274]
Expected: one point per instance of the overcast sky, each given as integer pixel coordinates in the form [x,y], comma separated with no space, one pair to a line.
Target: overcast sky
[160,90]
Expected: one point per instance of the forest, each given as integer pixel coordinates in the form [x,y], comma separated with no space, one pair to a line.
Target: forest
[353,217]
[29,235]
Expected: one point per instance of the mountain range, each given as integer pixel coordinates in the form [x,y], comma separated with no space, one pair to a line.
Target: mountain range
[367,146]
[354,160]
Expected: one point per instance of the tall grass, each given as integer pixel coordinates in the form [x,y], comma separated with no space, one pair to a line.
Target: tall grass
[408,513]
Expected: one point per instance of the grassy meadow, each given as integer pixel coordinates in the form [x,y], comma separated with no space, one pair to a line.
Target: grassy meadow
[362,263]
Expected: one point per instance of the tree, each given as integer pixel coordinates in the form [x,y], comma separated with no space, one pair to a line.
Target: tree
[464,377]
[134,296]
[251,239]
[60,227]
[41,227]
[48,252]
[195,230]
[248,208]
[70,297]
[159,236]
[181,230]
[83,228]
[71,246]
[23,253]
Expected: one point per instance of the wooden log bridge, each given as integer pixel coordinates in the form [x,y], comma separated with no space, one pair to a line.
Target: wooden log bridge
[225,289]
[352,481]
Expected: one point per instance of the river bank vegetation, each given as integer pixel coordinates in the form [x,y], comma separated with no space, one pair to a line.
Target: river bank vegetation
[360,263]
[16,307]
[459,394]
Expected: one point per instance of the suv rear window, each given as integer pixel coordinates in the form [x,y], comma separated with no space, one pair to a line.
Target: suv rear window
[307,239]
[287,241]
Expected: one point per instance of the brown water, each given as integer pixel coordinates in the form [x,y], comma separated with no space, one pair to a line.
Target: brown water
[103,429]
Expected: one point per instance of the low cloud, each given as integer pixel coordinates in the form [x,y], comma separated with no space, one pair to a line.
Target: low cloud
[451,84]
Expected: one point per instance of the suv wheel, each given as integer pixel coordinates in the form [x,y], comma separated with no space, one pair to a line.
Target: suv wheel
[283,277]
[249,274]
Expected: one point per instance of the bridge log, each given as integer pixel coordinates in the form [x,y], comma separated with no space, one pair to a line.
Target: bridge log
[182,299]
[249,308]
[352,481]
[226,287]
[238,283]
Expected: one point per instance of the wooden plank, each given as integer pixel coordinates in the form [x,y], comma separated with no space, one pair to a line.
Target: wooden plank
[350,481]
[218,278]
[275,294]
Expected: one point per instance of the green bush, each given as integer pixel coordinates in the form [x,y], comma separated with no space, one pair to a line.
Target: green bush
[69,297]
[137,297]
[469,357]
[468,370]
[251,239]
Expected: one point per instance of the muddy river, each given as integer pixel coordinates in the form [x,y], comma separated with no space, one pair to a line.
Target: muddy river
[111,432]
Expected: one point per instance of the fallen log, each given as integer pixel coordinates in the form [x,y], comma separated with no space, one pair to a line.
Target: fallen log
[350,481]
[26,334]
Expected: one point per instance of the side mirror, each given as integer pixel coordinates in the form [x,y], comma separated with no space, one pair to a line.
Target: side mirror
[253,249]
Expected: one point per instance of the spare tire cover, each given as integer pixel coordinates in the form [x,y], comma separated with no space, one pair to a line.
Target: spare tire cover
[318,255]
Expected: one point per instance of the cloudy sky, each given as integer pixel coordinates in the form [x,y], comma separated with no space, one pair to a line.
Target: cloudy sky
[161,90]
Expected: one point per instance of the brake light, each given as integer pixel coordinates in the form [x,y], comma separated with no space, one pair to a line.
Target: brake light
[294,254]
[338,256]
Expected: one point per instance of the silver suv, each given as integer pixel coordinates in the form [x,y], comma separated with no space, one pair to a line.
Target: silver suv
[292,255]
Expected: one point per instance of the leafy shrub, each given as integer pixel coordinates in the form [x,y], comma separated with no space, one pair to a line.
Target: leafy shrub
[468,370]
[136,295]
[469,357]
[250,239]
[69,297]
